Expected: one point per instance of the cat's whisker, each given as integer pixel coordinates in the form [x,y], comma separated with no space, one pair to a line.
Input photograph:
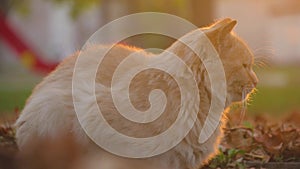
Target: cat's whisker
[262,61]
[244,106]
[246,95]
[263,56]
[265,49]
[262,64]
[250,96]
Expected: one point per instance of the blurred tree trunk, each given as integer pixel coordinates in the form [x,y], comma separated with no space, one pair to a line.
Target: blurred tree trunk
[199,12]
[4,6]
[202,12]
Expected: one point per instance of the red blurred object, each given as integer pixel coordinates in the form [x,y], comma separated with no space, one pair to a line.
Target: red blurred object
[26,54]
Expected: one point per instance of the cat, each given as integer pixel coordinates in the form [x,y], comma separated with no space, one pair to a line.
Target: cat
[50,110]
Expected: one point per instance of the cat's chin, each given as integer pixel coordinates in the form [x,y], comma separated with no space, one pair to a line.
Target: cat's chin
[236,98]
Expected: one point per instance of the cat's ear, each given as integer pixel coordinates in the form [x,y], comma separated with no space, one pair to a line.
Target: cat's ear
[222,28]
[219,31]
[229,27]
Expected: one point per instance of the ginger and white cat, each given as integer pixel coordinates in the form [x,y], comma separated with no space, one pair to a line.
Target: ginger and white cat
[50,109]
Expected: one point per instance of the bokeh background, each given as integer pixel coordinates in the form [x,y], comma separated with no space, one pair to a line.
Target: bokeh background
[47,31]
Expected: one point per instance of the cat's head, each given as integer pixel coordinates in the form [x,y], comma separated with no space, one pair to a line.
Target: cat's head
[236,57]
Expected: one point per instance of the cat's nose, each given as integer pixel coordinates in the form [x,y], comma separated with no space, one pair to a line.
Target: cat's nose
[254,78]
[255,83]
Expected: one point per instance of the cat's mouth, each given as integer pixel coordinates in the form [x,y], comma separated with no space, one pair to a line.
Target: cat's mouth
[246,90]
[241,95]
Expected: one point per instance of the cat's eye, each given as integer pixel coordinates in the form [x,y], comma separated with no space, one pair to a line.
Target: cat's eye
[245,65]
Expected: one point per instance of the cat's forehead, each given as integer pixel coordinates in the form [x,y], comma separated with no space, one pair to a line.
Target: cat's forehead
[243,50]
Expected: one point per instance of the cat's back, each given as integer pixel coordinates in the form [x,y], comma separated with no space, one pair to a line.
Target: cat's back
[50,109]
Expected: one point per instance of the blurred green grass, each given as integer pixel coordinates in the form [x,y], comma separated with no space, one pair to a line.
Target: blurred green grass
[275,101]
[16,84]
[13,100]
[278,91]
